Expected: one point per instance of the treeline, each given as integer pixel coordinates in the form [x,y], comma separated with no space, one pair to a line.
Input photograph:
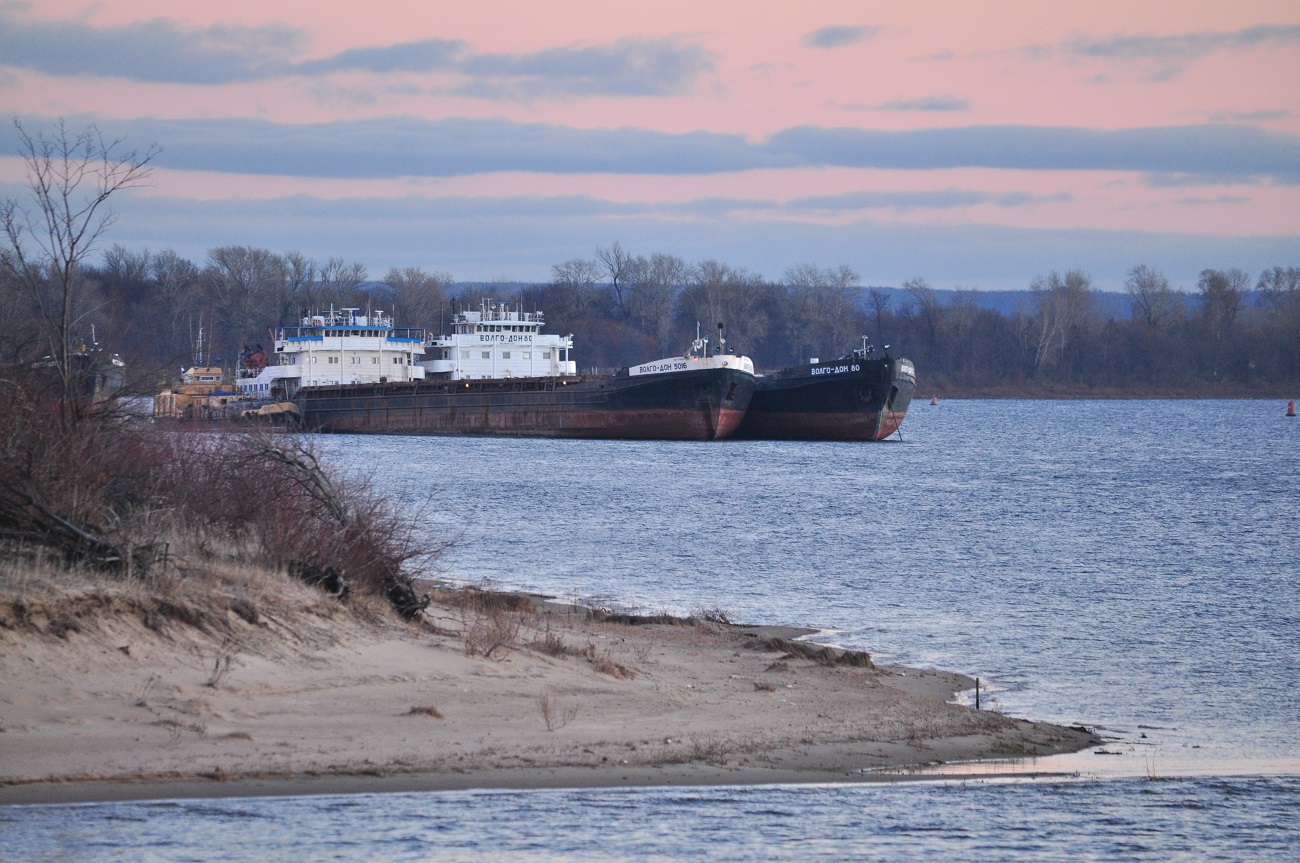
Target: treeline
[1222,339]
[1234,333]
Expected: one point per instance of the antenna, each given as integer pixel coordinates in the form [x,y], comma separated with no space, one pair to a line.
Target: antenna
[198,345]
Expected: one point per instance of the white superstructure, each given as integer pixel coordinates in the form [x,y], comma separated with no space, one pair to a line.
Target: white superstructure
[341,346]
[496,342]
[700,356]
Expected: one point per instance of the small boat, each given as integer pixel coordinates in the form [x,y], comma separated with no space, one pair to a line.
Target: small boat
[205,391]
[858,397]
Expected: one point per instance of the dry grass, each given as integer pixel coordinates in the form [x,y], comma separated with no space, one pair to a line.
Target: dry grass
[554,714]
[712,614]
[481,599]
[711,749]
[604,664]
[491,634]
[228,608]
[552,644]
[220,668]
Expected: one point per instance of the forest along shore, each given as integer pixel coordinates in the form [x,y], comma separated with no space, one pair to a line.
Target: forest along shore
[115,692]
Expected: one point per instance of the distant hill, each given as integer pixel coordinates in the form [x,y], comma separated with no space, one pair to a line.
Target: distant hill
[1004,302]
[1110,303]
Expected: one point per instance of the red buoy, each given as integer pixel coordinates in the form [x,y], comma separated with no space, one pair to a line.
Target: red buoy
[934,400]
[1290,408]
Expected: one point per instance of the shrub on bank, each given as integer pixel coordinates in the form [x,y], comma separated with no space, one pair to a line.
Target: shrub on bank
[126,497]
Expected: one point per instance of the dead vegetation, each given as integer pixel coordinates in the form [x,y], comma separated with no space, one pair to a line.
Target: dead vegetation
[551,644]
[110,494]
[605,664]
[492,634]
[820,654]
[489,622]
[554,714]
[227,608]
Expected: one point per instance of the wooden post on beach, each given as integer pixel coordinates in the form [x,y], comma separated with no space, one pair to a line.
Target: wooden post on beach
[977,693]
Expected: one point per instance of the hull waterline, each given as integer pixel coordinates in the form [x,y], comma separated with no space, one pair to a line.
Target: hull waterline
[852,399]
[701,405]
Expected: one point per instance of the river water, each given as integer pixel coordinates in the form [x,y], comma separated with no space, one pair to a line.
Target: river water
[1129,565]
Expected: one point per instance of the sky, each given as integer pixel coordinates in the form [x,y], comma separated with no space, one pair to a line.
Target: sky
[976,145]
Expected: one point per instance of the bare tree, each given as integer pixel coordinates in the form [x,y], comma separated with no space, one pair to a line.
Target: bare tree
[1065,310]
[733,296]
[177,284]
[838,312]
[618,264]
[959,319]
[879,303]
[652,287]
[125,266]
[574,283]
[71,176]
[417,295]
[20,335]
[243,283]
[1279,289]
[929,308]
[1279,286]
[297,282]
[802,323]
[339,281]
[1223,292]
[1153,300]
[823,319]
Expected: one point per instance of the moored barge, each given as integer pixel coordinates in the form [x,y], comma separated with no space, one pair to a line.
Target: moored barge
[690,404]
[854,398]
[497,374]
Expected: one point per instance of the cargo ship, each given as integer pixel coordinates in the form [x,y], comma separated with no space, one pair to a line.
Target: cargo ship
[859,397]
[497,374]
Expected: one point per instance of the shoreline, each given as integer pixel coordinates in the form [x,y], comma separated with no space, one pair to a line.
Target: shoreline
[303,695]
[89,790]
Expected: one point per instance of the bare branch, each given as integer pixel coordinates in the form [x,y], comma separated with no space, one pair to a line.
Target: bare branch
[70,176]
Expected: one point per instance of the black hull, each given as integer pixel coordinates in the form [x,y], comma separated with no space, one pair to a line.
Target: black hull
[707,404]
[849,399]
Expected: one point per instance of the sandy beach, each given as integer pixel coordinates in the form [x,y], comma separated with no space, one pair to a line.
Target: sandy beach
[110,692]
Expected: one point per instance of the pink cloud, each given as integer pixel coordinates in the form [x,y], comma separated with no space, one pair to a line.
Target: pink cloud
[742,69]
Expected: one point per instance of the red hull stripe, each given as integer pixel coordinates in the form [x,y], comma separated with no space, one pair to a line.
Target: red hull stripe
[656,424]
